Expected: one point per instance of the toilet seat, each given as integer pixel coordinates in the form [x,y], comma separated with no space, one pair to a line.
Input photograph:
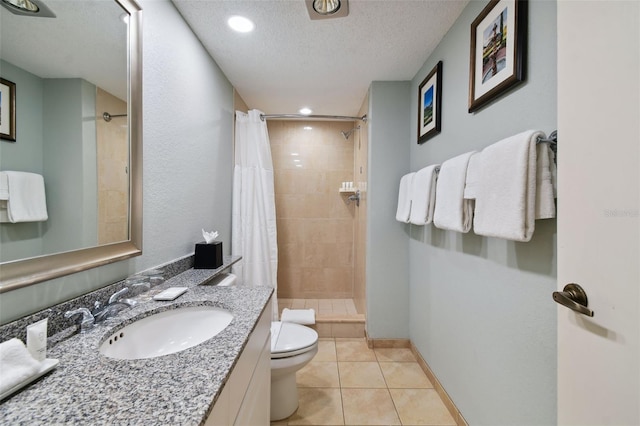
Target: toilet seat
[290,339]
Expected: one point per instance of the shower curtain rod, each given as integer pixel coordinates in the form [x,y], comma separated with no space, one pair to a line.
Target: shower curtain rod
[311,117]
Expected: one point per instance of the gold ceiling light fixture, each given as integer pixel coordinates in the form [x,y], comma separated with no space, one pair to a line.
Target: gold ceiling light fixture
[327,9]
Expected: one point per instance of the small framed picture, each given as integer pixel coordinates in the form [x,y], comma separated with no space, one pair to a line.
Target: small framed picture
[498,51]
[7,110]
[429,104]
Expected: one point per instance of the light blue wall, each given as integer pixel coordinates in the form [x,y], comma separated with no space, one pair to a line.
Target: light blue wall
[22,239]
[71,208]
[187,121]
[55,121]
[481,312]
[387,257]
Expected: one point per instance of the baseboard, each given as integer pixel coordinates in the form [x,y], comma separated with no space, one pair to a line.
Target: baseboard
[406,343]
[448,402]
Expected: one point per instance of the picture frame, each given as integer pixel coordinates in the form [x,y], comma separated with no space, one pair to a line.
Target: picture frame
[7,110]
[498,52]
[430,104]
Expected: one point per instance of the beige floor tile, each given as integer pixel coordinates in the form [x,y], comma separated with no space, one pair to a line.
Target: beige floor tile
[280,423]
[318,406]
[360,375]
[404,375]
[311,304]
[421,407]
[354,350]
[324,329]
[395,354]
[326,350]
[325,305]
[348,330]
[339,307]
[351,307]
[318,374]
[298,304]
[368,407]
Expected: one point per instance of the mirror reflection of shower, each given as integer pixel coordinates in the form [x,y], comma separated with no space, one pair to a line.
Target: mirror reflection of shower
[348,133]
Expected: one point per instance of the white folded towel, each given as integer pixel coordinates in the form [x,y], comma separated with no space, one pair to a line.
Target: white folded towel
[299,316]
[27,201]
[4,196]
[452,211]
[403,212]
[545,204]
[423,195]
[16,364]
[505,203]
[4,186]
[473,177]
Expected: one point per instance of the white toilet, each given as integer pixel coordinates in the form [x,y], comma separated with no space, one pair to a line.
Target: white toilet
[292,347]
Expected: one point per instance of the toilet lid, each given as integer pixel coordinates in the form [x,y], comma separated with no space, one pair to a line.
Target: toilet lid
[287,337]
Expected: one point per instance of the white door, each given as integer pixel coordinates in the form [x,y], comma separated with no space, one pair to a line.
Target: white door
[598,210]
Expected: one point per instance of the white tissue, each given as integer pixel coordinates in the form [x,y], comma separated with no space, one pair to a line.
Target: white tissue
[209,237]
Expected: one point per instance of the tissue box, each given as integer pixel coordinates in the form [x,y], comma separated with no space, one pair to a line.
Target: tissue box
[208,256]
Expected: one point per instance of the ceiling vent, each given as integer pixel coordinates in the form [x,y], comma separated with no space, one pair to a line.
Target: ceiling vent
[327,9]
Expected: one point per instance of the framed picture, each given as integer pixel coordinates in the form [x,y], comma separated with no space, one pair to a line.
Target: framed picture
[498,51]
[7,110]
[429,104]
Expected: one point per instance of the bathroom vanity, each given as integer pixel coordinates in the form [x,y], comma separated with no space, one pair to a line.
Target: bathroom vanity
[223,381]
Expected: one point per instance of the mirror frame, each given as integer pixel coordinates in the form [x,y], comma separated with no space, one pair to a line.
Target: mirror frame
[22,273]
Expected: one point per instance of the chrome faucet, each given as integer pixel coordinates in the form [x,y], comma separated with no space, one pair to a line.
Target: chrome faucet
[87,320]
[114,305]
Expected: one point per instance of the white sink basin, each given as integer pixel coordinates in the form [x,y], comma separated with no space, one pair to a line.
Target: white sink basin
[166,332]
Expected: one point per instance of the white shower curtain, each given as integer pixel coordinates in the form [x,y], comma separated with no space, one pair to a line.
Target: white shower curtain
[253,234]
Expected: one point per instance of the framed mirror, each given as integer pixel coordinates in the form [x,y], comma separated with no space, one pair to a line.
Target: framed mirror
[80,70]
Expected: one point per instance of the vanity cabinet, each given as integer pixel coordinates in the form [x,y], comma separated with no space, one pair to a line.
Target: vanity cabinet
[245,398]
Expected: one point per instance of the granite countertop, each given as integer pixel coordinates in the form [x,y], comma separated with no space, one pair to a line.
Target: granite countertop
[176,389]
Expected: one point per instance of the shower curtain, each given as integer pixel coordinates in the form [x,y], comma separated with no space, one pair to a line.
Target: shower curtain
[253,224]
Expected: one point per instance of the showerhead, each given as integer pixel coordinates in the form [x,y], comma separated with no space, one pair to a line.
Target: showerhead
[348,133]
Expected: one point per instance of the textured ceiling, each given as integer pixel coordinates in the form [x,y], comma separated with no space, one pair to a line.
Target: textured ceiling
[87,39]
[290,61]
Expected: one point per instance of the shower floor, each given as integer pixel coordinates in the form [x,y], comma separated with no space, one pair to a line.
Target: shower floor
[334,317]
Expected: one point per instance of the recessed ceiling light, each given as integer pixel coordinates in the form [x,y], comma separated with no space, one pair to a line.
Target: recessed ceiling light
[308,128]
[326,7]
[295,154]
[28,8]
[241,24]
[305,111]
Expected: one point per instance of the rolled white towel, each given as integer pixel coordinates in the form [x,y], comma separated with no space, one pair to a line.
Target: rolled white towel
[403,212]
[16,364]
[299,316]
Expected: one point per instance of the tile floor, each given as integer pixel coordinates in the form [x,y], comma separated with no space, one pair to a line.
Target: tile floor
[324,307]
[349,384]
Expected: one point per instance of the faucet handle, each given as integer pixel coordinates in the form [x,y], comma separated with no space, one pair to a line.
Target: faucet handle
[117,295]
[87,319]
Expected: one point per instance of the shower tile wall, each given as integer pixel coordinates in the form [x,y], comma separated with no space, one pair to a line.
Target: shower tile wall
[113,176]
[315,223]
